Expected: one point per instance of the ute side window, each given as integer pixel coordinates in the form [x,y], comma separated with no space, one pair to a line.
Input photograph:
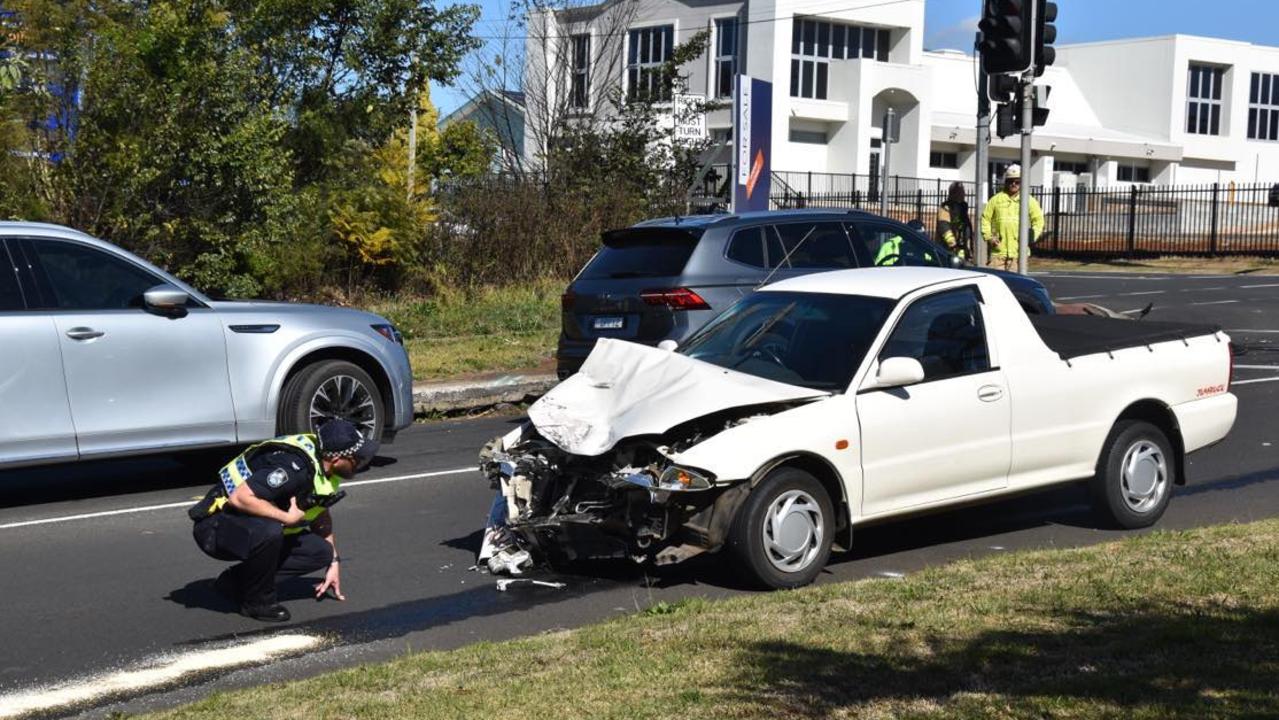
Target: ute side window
[945,333]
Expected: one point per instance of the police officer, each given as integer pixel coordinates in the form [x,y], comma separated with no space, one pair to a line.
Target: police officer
[270,511]
[1001,220]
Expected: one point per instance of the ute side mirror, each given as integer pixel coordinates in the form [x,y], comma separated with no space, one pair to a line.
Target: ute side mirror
[667,345]
[166,299]
[956,261]
[898,372]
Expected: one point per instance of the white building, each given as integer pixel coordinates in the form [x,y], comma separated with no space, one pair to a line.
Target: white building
[1168,110]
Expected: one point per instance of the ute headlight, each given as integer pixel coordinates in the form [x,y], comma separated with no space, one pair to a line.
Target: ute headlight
[682,478]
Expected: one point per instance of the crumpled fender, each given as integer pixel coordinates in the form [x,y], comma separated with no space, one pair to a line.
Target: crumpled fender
[625,389]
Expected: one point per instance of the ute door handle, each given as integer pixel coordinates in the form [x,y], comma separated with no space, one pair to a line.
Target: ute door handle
[990,393]
[84,333]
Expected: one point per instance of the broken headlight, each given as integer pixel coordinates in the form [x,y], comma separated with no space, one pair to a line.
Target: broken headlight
[675,477]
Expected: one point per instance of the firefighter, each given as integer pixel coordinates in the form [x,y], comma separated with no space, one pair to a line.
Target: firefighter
[954,226]
[1001,219]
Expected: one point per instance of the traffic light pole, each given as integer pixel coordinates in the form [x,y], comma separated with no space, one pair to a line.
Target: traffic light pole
[1027,129]
[983,139]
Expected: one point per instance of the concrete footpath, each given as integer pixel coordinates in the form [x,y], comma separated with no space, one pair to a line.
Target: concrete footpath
[471,395]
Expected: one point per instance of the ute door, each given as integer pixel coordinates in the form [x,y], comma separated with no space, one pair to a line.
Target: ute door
[136,379]
[946,437]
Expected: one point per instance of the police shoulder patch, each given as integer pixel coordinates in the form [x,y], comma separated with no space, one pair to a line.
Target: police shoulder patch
[277,478]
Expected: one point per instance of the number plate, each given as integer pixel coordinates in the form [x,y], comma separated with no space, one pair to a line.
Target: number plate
[609,323]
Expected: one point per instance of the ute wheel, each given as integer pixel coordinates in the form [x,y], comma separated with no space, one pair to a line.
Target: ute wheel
[331,389]
[1135,475]
[782,534]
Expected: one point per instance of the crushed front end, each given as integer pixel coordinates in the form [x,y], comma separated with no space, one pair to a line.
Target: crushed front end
[633,502]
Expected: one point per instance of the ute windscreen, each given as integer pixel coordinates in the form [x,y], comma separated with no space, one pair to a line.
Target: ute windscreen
[813,340]
[642,252]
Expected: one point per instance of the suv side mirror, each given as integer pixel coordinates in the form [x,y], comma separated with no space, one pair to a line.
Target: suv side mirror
[165,298]
[899,372]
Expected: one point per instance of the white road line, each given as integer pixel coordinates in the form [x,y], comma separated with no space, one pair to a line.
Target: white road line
[1148,292]
[154,674]
[1216,302]
[1080,297]
[186,503]
[1264,332]
[1249,287]
[1257,367]
[1249,382]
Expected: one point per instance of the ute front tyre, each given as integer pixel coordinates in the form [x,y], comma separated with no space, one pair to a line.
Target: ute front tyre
[331,389]
[1135,475]
[782,534]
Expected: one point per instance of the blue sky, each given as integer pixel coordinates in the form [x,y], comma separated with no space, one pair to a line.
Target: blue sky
[951,23]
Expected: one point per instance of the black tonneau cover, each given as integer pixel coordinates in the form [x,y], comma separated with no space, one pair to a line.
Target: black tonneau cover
[1072,336]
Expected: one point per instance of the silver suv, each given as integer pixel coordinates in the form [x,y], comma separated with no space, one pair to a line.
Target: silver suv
[102,353]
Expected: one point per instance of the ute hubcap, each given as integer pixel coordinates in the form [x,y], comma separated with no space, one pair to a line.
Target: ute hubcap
[1144,476]
[793,531]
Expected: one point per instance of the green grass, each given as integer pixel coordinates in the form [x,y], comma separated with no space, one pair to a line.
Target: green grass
[1165,625]
[458,333]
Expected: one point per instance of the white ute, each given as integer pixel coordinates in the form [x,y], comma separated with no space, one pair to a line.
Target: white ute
[826,401]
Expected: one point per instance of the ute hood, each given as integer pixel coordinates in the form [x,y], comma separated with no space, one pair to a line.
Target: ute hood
[625,389]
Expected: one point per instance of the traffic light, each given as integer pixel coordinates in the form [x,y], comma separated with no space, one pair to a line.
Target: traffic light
[1007,36]
[1045,35]
[1003,88]
[1006,120]
[1008,115]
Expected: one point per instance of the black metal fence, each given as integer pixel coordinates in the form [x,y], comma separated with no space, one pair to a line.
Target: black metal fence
[1123,221]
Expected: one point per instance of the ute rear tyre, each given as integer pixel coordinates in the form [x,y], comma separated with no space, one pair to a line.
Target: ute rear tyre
[782,534]
[329,389]
[1135,475]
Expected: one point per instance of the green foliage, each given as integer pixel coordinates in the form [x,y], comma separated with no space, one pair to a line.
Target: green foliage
[248,146]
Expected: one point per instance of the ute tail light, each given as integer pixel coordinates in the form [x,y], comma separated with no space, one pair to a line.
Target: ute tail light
[675,299]
[1230,377]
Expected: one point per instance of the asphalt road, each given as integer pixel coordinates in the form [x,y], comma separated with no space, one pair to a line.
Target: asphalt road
[99,571]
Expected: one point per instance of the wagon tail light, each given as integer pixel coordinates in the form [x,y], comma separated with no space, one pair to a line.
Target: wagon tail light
[675,299]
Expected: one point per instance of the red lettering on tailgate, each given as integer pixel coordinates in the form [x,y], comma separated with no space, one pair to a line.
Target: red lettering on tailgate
[1211,390]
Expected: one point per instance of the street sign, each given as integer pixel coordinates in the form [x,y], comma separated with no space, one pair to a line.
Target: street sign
[689,117]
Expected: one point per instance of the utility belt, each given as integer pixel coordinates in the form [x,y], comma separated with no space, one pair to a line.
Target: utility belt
[214,500]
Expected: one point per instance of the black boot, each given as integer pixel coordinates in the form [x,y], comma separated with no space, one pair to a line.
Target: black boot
[266,613]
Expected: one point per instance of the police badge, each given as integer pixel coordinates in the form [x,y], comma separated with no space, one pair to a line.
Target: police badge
[277,478]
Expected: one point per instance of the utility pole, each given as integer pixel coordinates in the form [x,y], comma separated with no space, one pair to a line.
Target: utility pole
[412,133]
[889,137]
[982,142]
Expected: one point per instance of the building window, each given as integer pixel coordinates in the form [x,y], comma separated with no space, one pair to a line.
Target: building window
[580,92]
[1070,166]
[814,43]
[813,137]
[1263,107]
[1133,173]
[725,56]
[943,160]
[1203,100]
[647,50]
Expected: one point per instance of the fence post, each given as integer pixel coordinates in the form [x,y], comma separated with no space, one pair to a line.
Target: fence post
[810,183]
[1212,241]
[1132,222]
[919,204]
[1056,216]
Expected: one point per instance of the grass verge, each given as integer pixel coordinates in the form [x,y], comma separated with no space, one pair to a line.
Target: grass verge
[1165,625]
[493,329]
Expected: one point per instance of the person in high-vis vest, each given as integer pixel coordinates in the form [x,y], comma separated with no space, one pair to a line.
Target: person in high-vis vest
[270,511]
[1002,218]
[954,229]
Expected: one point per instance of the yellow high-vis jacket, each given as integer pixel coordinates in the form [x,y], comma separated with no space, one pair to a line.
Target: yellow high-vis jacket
[1000,220]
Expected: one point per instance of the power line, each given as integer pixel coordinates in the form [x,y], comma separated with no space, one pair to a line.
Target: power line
[748,21]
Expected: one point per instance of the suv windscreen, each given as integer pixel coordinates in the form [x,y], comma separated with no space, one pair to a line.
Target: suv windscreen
[813,340]
[642,252]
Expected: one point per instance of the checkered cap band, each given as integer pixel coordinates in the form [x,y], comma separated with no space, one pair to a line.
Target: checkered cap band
[349,452]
